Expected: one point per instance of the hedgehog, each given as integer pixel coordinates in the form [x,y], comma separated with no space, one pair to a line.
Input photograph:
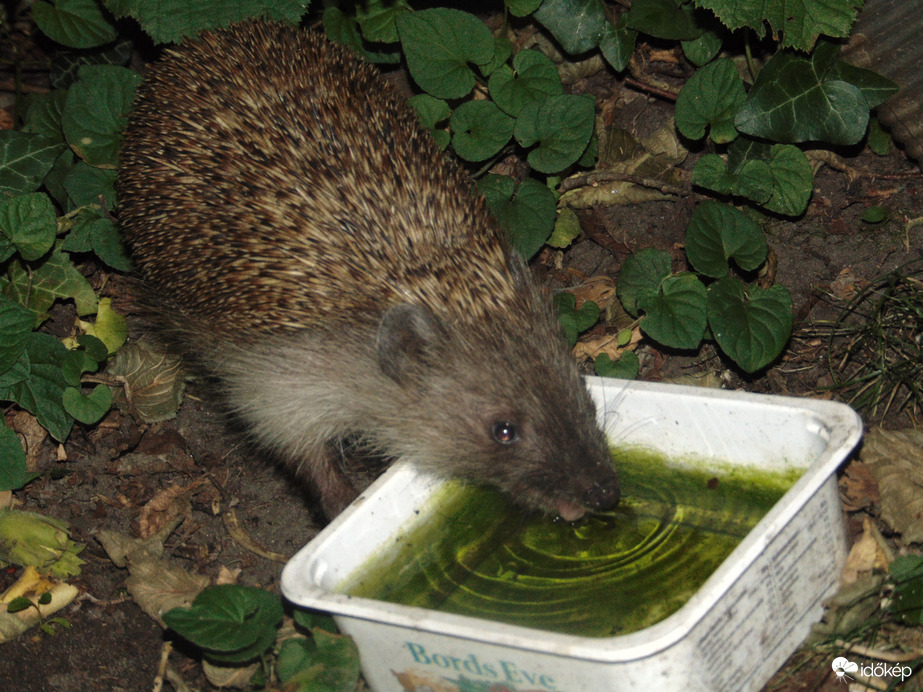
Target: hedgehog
[304,239]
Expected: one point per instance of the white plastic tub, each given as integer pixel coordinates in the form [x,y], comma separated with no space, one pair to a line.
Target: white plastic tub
[732,635]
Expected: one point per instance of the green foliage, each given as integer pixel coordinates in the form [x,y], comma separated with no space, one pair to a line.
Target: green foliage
[907,601]
[229,623]
[56,184]
[750,324]
[574,321]
[232,625]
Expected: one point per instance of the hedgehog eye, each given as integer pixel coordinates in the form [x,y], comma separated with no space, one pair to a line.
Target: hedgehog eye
[505,432]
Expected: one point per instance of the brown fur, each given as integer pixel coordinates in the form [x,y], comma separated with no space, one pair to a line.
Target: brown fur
[335,271]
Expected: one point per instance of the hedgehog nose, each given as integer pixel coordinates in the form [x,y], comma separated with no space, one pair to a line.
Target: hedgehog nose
[601,497]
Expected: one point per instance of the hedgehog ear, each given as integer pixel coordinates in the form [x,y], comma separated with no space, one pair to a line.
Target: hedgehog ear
[407,336]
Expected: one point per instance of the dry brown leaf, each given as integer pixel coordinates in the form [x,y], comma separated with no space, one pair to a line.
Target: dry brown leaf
[608,344]
[599,289]
[165,506]
[31,434]
[226,575]
[895,459]
[866,554]
[858,488]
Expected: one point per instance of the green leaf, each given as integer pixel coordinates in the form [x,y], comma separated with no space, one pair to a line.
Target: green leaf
[74,23]
[329,663]
[640,278]
[875,214]
[750,324]
[578,25]
[41,392]
[717,234]
[792,180]
[56,277]
[25,160]
[532,78]
[625,368]
[168,21]
[617,44]
[572,320]
[100,235]
[798,99]
[702,50]
[432,111]
[797,23]
[521,8]
[527,214]
[16,324]
[44,115]
[907,602]
[85,185]
[711,98]
[13,473]
[664,19]
[96,112]
[344,29]
[676,316]
[560,125]
[566,228]
[753,179]
[438,45]
[87,408]
[230,623]
[28,224]
[377,19]
[879,139]
[479,130]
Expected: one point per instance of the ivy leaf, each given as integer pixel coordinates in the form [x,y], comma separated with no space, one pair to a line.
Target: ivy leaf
[702,50]
[717,234]
[40,393]
[532,77]
[16,325]
[617,44]
[561,126]
[578,25]
[750,324]
[25,160]
[56,277]
[798,22]
[527,213]
[74,23]
[438,45]
[479,130]
[711,98]
[798,99]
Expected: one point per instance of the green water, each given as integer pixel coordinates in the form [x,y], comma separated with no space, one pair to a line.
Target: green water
[475,554]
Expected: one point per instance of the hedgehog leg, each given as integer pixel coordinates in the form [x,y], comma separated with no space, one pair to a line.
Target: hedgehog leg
[333,489]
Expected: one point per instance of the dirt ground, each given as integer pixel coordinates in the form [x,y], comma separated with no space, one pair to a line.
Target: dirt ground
[112,645]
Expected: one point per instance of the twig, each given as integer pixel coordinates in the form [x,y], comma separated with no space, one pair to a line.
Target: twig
[606,176]
[650,89]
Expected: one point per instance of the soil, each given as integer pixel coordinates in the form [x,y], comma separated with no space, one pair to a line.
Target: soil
[111,644]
